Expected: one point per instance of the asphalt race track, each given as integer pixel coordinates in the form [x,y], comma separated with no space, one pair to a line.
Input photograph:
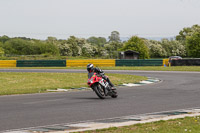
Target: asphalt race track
[177,90]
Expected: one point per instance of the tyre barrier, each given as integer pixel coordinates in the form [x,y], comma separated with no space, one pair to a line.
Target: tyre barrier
[82,63]
[186,62]
[140,62]
[41,63]
[96,62]
[8,63]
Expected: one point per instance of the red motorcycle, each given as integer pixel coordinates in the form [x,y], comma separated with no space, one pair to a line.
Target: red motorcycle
[100,86]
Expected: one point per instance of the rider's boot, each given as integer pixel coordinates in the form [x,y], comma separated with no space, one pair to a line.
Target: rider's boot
[109,93]
[113,88]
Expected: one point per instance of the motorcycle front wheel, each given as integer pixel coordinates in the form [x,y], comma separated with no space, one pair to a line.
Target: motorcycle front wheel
[114,94]
[99,90]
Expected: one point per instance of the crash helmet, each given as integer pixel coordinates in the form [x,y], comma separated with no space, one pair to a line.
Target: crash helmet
[90,67]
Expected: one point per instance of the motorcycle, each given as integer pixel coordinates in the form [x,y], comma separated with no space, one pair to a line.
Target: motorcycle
[100,86]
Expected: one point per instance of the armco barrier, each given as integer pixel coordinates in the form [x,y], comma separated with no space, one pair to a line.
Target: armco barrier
[155,62]
[96,62]
[41,63]
[186,62]
[7,63]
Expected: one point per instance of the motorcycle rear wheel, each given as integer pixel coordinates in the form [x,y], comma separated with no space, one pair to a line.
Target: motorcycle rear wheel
[99,91]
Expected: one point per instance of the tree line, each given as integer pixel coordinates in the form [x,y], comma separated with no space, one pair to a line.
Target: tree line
[186,44]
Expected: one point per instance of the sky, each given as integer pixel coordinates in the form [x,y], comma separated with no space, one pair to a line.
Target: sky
[84,18]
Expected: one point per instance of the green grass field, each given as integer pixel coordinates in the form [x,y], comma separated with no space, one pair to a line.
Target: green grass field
[183,125]
[23,83]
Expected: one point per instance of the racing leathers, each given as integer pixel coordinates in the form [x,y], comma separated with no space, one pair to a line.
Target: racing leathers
[101,73]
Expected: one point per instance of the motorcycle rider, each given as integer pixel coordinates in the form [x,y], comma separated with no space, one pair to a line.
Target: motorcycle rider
[91,68]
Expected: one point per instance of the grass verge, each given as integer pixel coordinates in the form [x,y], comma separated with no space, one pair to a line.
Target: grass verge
[182,125]
[23,83]
[157,68]
[146,68]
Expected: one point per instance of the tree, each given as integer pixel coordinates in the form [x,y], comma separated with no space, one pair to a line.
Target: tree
[97,41]
[186,36]
[114,37]
[137,44]
[74,46]
[48,48]
[89,51]
[178,48]
[79,46]
[193,45]
[173,47]
[1,50]
[155,49]
[112,49]
[64,48]
[52,40]
[18,46]
[189,31]
[4,38]
[23,38]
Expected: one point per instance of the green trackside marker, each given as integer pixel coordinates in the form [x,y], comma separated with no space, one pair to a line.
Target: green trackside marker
[135,119]
[140,83]
[59,128]
[112,120]
[82,88]
[39,130]
[174,113]
[53,129]
[151,80]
